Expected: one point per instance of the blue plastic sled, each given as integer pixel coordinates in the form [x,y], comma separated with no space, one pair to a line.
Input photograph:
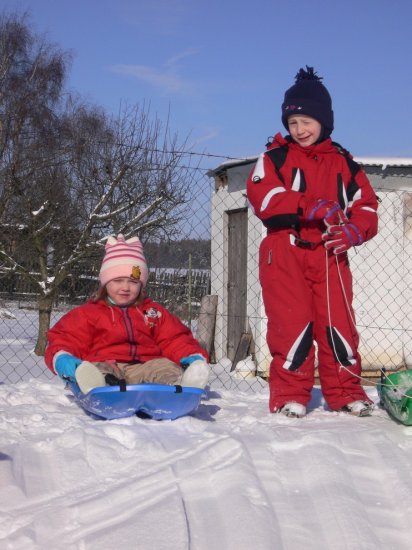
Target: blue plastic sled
[155,401]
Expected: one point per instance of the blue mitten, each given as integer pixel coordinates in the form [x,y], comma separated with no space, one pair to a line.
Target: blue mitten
[66,365]
[186,361]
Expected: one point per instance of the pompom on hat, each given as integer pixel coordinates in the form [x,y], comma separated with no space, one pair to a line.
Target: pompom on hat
[124,258]
[308,96]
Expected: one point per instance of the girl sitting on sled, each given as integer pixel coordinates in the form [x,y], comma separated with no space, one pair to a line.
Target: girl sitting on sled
[124,334]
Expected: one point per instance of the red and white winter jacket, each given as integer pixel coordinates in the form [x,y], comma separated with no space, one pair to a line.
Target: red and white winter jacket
[97,331]
[320,171]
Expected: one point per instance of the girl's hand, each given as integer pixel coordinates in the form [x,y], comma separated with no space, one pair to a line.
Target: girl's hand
[66,365]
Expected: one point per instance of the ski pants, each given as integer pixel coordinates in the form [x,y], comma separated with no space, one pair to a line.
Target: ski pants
[307,295]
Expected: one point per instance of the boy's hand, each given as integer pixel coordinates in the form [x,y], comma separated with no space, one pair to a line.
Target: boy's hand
[323,210]
[339,238]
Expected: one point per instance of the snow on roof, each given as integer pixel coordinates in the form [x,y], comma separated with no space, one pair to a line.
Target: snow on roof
[384,161]
[364,161]
[231,163]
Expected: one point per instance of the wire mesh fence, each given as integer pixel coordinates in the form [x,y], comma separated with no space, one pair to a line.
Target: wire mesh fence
[220,260]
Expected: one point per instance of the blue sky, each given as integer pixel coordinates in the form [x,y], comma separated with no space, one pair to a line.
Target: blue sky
[222,66]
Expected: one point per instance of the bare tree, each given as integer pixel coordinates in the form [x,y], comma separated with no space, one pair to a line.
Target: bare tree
[70,175]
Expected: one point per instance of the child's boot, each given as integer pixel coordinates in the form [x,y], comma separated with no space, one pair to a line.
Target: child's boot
[88,376]
[293,409]
[196,375]
[358,408]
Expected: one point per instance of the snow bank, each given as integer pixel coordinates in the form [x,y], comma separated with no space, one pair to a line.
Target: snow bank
[231,476]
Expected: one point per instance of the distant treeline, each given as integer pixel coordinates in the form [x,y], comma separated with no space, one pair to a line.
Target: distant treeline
[176,254]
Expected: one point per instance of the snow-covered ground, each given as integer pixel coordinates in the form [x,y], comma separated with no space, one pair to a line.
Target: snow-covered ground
[229,476]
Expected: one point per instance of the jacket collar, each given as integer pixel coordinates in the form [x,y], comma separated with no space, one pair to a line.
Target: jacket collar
[325,146]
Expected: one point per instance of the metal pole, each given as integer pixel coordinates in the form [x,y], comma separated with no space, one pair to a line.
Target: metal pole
[189,291]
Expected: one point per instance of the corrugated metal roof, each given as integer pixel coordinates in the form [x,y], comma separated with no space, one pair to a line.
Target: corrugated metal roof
[384,161]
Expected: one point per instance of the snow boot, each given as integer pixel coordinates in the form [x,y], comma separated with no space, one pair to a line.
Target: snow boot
[358,408]
[196,375]
[88,376]
[293,409]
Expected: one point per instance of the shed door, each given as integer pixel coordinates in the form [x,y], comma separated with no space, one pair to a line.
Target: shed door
[237,278]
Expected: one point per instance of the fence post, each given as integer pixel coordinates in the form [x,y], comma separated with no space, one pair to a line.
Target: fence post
[205,332]
[189,291]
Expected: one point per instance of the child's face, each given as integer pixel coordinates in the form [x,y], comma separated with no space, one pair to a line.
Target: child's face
[123,291]
[303,129]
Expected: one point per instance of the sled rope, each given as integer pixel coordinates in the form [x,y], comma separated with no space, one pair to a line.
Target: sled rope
[389,382]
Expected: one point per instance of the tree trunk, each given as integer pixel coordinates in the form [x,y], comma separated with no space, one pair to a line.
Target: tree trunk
[45,310]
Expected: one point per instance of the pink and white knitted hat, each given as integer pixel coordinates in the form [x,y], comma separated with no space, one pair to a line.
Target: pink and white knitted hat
[123,259]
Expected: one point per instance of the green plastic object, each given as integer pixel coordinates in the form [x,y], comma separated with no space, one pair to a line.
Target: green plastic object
[395,392]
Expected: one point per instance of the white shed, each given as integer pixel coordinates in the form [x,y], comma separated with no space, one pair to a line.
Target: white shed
[382,268]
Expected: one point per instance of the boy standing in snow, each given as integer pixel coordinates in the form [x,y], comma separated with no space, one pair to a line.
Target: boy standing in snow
[316,203]
[123,333]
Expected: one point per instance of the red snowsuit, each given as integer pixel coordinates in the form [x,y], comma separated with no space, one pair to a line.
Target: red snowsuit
[307,291]
[99,332]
